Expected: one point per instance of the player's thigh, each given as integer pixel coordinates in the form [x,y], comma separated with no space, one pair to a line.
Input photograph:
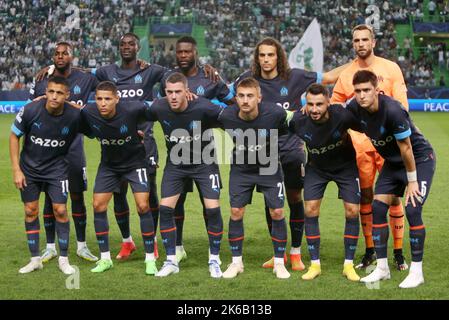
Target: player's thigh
[172,181]
[425,172]
[207,179]
[273,190]
[315,183]
[108,181]
[347,180]
[392,180]
[241,186]
[138,180]
[31,192]
[57,190]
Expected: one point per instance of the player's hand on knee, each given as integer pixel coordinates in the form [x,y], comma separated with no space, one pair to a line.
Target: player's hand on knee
[19,180]
[413,193]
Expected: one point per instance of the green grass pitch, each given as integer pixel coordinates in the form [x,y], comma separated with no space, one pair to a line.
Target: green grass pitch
[127,280]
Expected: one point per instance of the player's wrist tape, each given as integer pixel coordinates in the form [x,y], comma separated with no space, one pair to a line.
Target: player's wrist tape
[411,176]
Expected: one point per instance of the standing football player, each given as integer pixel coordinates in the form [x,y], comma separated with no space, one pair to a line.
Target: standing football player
[283,87]
[409,166]
[49,126]
[80,85]
[391,82]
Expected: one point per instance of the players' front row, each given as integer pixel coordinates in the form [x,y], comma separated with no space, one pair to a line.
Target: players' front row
[50,125]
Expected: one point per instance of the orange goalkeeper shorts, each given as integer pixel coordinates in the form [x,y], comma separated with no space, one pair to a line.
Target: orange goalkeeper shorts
[368,159]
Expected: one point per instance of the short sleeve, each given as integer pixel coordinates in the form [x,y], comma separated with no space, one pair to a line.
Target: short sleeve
[398,122]
[338,93]
[84,127]
[399,87]
[100,74]
[150,111]
[19,127]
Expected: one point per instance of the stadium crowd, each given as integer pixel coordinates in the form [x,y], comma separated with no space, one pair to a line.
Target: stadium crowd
[29,30]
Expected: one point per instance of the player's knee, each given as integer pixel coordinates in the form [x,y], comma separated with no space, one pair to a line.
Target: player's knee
[312,210]
[60,212]
[31,211]
[142,207]
[352,211]
[277,214]
[99,206]
[366,196]
[237,213]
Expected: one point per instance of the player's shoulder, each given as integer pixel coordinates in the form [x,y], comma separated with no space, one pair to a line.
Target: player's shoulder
[391,105]
[386,63]
[89,108]
[79,74]
[244,75]
[201,102]
[159,103]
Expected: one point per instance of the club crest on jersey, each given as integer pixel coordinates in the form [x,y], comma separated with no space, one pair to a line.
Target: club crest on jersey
[200,91]
[123,129]
[193,125]
[284,91]
[138,79]
[65,131]
[308,136]
[382,130]
[76,89]
[114,79]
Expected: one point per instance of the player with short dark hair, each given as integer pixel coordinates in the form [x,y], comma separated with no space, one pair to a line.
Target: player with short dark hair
[134,83]
[331,157]
[80,86]
[114,123]
[253,126]
[202,85]
[283,87]
[409,166]
[369,162]
[49,127]
[186,127]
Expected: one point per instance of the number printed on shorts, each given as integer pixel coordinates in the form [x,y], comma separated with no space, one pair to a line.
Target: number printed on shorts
[142,173]
[281,190]
[215,181]
[65,186]
[423,188]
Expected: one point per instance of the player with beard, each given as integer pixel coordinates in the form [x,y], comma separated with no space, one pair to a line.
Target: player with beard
[80,85]
[391,83]
[283,87]
[200,84]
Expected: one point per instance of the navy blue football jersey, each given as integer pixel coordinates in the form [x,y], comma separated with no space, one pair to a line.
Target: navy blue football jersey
[189,127]
[252,139]
[202,86]
[133,85]
[328,144]
[390,123]
[121,146]
[47,139]
[81,85]
[285,94]
[136,85]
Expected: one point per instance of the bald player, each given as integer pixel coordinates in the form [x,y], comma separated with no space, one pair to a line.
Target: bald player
[391,83]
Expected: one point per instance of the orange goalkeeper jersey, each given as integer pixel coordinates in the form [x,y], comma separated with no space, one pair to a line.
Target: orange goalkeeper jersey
[390,82]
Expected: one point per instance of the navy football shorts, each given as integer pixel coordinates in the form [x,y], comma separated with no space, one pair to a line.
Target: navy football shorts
[346,178]
[242,183]
[206,177]
[108,180]
[393,179]
[57,190]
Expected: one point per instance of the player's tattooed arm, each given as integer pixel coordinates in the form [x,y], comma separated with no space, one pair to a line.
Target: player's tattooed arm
[331,77]
[412,192]
[17,174]
[211,73]
[40,98]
